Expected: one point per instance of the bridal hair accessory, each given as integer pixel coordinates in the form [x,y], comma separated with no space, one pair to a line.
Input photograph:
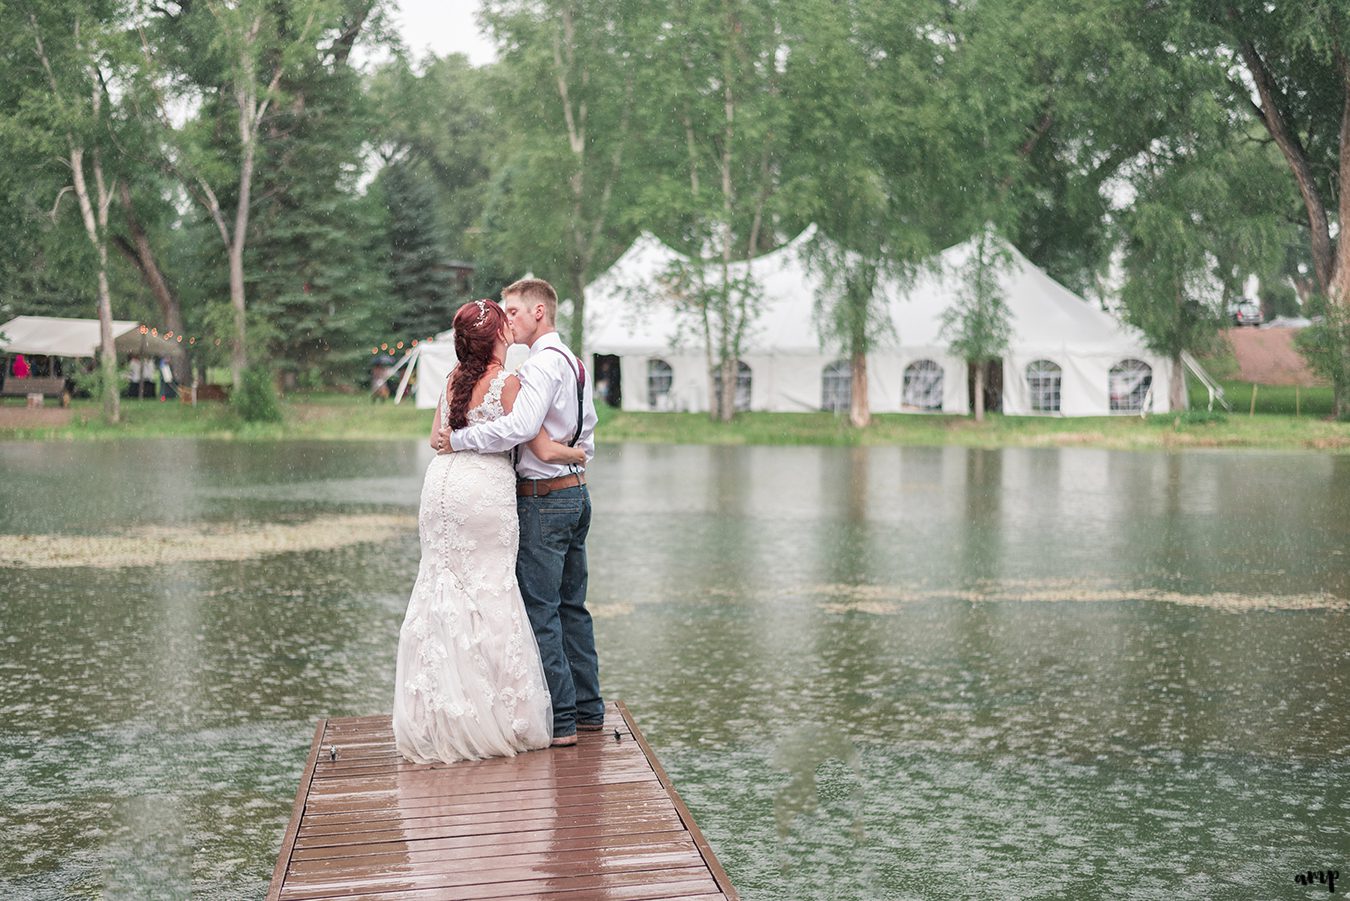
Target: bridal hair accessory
[482,312]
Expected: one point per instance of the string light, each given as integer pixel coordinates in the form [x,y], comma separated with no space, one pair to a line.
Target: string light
[170,335]
[406,346]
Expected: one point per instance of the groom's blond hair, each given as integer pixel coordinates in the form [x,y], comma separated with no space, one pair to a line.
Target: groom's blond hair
[534,290]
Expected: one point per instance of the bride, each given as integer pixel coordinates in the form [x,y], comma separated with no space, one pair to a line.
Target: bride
[468,682]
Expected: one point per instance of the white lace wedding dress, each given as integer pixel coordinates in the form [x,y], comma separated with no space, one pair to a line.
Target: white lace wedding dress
[468,682]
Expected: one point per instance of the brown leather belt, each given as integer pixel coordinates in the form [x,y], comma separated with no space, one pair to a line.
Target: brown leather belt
[541,487]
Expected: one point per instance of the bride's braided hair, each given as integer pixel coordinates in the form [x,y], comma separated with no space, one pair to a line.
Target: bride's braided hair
[476,326]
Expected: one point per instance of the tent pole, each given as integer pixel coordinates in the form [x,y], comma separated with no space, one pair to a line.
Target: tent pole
[403,382]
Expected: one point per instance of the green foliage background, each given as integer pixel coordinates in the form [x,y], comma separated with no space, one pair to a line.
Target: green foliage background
[1114,143]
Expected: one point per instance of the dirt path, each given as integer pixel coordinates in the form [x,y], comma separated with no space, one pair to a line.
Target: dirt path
[1268,357]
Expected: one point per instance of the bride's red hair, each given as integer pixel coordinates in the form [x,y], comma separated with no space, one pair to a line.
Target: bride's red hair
[476,326]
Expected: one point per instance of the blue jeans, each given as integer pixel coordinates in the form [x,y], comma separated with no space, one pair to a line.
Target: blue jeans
[551,569]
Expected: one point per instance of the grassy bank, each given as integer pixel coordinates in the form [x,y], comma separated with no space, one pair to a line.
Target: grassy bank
[339,417]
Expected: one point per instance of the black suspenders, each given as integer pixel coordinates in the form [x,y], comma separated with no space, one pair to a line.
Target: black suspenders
[580,372]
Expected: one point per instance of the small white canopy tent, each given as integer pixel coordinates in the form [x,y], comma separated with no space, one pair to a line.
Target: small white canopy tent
[432,361]
[62,337]
[1065,357]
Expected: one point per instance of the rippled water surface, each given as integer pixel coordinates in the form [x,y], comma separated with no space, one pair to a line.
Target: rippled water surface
[872,673]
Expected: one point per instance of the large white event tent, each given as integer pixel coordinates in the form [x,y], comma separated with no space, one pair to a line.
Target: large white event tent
[60,336]
[1066,356]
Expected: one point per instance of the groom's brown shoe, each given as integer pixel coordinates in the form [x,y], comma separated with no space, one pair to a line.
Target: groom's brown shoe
[563,741]
[590,727]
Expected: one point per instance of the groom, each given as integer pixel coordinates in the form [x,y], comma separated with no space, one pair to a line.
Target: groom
[552,502]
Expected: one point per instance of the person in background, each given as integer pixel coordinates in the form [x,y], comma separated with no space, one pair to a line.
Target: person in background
[21,369]
[166,388]
[147,378]
[133,376]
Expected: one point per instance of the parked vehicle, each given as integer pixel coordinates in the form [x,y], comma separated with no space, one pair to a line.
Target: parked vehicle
[1247,313]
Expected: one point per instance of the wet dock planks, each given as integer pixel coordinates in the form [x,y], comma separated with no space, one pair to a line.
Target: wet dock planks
[596,821]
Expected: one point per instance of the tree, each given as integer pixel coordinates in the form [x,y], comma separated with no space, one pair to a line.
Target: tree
[72,53]
[1288,67]
[1209,213]
[419,274]
[1054,103]
[568,71]
[237,52]
[443,125]
[318,280]
[715,164]
[977,324]
[858,169]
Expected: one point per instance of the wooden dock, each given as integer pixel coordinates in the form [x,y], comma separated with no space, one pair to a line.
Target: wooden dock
[596,821]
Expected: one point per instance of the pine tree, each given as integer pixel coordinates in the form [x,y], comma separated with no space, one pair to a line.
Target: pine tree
[421,283]
[318,286]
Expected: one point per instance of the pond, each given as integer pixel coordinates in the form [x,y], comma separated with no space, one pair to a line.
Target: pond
[871,673]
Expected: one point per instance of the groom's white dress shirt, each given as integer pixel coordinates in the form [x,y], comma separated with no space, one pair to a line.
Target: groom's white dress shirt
[548,400]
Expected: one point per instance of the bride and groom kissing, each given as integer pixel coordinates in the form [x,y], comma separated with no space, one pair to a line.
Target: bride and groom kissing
[497,653]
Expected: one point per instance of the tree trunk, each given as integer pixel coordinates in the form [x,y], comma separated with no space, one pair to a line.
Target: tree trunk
[727,402]
[112,410]
[239,346]
[1338,290]
[979,391]
[95,225]
[112,401]
[143,256]
[727,356]
[730,354]
[859,412]
[1176,392]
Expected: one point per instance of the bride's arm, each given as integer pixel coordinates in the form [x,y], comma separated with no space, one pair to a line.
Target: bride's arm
[436,425]
[436,439]
[541,445]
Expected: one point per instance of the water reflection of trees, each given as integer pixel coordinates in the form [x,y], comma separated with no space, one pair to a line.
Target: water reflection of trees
[982,542]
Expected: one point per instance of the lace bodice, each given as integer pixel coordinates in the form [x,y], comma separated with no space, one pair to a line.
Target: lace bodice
[488,409]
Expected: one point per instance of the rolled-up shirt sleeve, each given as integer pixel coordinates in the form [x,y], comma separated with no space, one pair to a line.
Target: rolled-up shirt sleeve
[589,418]
[517,427]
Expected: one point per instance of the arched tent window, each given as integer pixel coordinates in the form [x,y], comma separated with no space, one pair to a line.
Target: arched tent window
[1129,386]
[659,379]
[836,386]
[923,385]
[1043,383]
[742,386]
